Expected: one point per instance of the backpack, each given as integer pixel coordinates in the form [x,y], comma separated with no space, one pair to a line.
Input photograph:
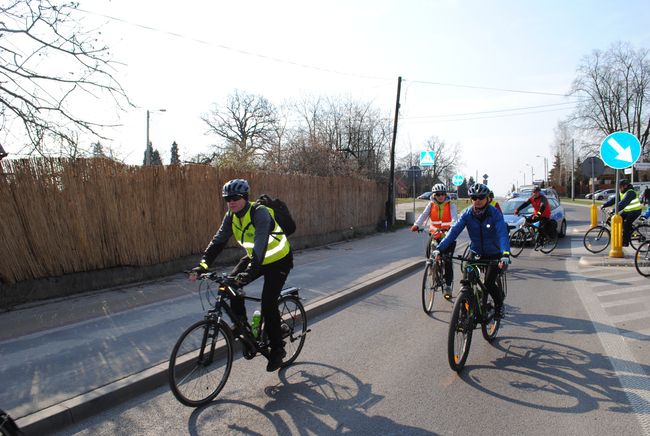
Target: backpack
[281,212]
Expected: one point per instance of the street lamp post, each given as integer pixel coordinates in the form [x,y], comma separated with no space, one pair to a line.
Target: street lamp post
[149,150]
[532,174]
[545,170]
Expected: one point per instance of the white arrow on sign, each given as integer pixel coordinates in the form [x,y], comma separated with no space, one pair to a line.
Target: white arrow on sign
[624,154]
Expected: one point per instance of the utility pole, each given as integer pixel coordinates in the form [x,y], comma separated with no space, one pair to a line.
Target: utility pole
[573,171]
[390,204]
[147,153]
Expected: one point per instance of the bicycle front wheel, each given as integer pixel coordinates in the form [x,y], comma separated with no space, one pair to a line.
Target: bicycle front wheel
[490,323]
[548,244]
[640,234]
[517,242]
[293,325]
[430,284]
[596,239]
[461,327]
[642,259]
[199,366]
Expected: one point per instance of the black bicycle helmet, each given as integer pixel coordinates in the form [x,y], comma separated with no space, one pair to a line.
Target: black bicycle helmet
[235,187]
[478,189]
[439,187]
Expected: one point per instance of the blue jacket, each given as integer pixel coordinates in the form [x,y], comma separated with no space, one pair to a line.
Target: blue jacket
[488,236]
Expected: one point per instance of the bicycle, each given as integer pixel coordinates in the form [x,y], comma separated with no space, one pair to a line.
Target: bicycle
[598,237]
[642,259]
[201,359]
[474,305]
[433,280]
[530,233]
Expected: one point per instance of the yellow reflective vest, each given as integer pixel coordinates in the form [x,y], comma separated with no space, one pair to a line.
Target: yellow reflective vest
[244,230]
[633,205]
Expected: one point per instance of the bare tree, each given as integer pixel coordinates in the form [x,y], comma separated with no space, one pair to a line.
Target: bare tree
[46,61]
[247,124]
[614,85]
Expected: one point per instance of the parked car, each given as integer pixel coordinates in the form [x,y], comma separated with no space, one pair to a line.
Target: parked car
[453,196]
[604,194]
[515,221]
[425,196]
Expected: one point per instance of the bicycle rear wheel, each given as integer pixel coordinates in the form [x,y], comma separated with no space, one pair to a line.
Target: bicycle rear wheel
[596,239]
[548,243]
[461,327]
[198,366]
[642,259]
[640,234]
[517,242]
[430,284]
[294,327]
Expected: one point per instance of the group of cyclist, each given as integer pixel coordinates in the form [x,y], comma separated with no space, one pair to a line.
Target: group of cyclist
[488,233]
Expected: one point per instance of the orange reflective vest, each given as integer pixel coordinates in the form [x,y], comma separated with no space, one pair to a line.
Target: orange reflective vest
[440,218]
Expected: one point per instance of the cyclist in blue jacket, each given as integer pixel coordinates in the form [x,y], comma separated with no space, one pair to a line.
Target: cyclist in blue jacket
[488,236]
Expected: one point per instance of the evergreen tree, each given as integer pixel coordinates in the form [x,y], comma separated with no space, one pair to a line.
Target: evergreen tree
[98,150]
[155,158]
[175,158]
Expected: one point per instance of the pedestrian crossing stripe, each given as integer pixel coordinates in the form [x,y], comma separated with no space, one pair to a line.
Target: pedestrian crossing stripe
[427,158]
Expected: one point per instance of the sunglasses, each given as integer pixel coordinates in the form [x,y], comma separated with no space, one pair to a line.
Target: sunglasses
[232,198]
[477,197]
[437,194]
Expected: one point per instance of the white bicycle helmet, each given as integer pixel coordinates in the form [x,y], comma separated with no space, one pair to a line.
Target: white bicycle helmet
[439,187]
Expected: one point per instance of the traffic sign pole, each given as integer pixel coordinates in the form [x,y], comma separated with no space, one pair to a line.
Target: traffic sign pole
[619,150]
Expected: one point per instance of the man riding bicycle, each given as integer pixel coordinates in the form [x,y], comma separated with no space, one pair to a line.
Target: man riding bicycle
[488,236]
[541,212]
[268,254]
[442,215]
[629,208]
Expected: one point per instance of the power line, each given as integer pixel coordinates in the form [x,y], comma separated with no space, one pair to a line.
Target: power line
[455,85]
[238,50]
[501,116]
[492,112]
[308,66]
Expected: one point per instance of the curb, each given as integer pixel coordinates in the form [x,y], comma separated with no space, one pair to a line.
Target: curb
[74,410]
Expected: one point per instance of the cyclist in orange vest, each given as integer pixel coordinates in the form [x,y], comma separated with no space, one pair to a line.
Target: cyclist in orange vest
[441,214]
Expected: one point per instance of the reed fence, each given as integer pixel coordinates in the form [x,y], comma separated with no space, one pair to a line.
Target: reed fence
[61,216]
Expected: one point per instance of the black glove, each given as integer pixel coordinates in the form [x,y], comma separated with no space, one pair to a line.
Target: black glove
[243,278]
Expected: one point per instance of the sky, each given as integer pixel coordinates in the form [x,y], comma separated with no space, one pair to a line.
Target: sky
[461,62]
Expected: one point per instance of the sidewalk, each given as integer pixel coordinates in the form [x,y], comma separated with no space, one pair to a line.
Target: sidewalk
[64,359]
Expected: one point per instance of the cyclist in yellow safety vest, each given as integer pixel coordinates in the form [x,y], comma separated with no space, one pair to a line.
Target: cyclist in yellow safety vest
[268,254]
[441,214]
[493,202]
[629,208]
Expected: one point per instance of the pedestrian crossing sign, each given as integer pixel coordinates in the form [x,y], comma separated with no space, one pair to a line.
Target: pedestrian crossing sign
[427,158]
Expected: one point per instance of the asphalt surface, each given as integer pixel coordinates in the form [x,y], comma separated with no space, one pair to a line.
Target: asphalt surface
[66,359]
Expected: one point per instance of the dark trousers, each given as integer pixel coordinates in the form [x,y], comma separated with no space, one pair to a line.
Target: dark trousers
[547,227]
[490,280]
[628,220]
[275,275]
[448,264]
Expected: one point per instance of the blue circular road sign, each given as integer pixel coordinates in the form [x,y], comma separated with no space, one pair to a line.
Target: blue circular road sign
[457,180]
[620,150]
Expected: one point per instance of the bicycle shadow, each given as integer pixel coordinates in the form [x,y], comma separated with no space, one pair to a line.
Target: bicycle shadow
[311,398]
[550,376]
[517,273]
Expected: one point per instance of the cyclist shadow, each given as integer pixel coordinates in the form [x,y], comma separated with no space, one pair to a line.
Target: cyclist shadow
[317,397]
[310,391]
[548,375]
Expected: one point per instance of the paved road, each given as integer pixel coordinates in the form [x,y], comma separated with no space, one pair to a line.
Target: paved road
[378,365]
[58,350]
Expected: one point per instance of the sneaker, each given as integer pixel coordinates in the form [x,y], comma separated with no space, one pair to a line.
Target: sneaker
[447,292]
[275,359]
